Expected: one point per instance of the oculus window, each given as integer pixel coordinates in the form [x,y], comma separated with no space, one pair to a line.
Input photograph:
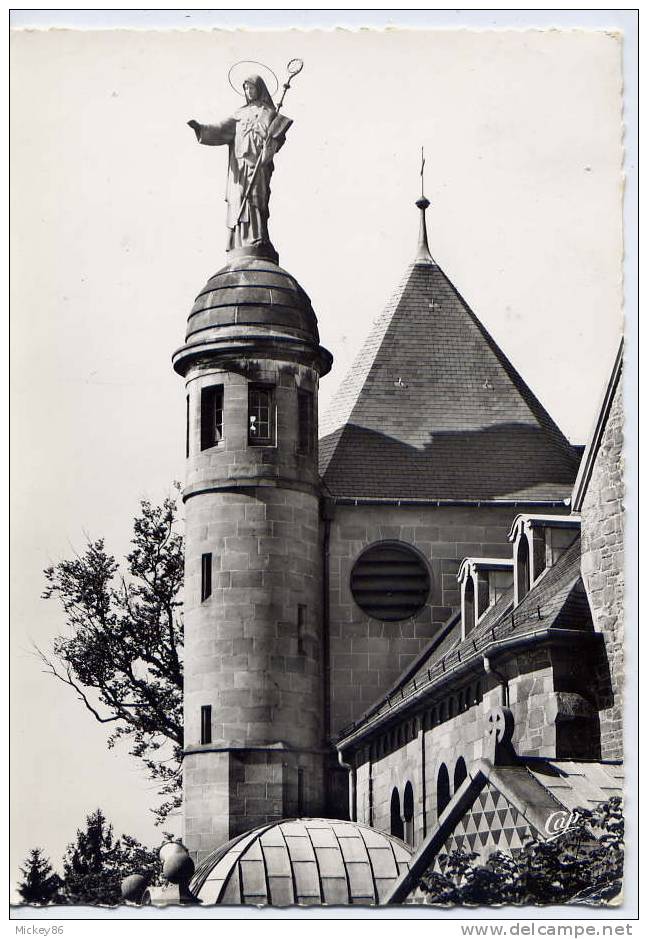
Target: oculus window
[390,582]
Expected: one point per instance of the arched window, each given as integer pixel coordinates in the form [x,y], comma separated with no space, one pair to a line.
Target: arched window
[443,788]
[460,772]
[408,813]
[396,823]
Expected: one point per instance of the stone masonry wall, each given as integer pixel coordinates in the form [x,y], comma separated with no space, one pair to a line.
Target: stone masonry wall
[367,655]
[414,749]
[603,572]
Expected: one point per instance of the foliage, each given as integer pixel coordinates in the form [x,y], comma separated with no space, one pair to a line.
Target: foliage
[584,860]
[96,863]
[40,884]
[122,653]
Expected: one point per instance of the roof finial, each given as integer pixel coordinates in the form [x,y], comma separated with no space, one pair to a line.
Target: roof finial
[423,255]
[422,172]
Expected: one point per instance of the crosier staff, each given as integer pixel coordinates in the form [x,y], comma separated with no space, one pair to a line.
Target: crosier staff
[277,126]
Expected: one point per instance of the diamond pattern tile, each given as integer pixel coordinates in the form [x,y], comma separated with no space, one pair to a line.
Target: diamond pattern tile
[491,824]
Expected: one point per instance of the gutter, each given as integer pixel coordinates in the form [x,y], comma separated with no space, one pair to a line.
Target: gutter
[474,503]
[496,648]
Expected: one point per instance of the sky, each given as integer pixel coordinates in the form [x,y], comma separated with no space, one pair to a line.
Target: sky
[118,221]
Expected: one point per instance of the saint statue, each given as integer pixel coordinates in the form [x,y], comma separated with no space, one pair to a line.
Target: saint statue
[254,134]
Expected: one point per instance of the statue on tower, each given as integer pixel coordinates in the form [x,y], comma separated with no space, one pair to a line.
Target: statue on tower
[254,134]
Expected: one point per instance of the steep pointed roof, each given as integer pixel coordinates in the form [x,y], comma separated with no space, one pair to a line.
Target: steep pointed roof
[433,410]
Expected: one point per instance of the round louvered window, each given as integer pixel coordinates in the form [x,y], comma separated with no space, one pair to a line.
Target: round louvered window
[390,582]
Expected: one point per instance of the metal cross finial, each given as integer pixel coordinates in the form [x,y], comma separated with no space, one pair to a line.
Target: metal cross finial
[422,172]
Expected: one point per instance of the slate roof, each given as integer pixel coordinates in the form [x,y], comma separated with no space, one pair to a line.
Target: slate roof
[556,601]
[303,861]
[433,409]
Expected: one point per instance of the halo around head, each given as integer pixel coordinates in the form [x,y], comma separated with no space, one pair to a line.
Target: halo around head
[242,70]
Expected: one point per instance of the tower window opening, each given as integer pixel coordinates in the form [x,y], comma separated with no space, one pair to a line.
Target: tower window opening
[301,626]
[260,416]
[304,422]
[205,724]
[206,577]
[211,416]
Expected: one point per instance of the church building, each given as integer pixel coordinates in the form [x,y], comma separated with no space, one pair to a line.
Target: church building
[404,626]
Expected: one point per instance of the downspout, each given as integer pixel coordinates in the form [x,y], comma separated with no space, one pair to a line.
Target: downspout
[488,668]
[327,514]
[353,809]
[423,777]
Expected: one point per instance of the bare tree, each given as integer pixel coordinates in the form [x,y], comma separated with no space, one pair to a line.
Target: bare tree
[122,652]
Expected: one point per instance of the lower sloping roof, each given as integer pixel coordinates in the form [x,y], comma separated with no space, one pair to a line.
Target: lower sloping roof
[498,807]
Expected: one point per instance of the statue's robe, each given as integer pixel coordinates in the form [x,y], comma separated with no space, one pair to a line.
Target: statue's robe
[245,134]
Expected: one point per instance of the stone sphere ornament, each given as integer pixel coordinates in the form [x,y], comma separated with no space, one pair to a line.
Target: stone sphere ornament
[178,868]
[133,887]
[171,848]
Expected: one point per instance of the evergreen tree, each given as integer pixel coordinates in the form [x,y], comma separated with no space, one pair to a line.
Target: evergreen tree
[40,884]
[95,864]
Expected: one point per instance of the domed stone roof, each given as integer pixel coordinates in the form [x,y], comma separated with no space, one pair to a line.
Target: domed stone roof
[305,861]
[253,291]
[251,297]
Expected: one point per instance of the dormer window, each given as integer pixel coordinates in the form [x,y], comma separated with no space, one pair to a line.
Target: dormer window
[522,569]
[483,581]
[468,615]
[538,542]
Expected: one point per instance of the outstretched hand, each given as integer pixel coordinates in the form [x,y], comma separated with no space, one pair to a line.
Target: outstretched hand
[195,126]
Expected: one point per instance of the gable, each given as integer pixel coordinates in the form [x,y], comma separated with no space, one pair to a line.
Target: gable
[491,824]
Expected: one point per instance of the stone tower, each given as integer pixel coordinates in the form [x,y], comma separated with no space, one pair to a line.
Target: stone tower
[253,639]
